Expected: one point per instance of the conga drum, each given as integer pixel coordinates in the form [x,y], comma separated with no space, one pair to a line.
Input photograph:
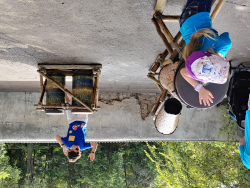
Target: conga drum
[189,96]
[54,95]
[167,119]
[83,88]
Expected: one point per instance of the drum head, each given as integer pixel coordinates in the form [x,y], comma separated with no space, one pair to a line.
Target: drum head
[191,97]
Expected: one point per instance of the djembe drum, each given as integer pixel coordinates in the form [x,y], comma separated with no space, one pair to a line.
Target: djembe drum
[83,88]
[54,95]
[189,96]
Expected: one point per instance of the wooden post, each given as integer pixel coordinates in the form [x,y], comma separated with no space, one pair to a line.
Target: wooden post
[42,92]
[217,9]
[65,90]
[160,5]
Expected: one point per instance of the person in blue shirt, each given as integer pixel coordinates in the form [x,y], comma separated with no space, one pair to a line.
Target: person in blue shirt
[74,143]
[199,35]
[244,143]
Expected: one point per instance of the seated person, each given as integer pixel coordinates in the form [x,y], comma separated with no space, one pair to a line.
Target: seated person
[244,143]
[205,50]
[74,143]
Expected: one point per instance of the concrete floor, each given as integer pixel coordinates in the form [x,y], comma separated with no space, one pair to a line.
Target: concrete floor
[116,33]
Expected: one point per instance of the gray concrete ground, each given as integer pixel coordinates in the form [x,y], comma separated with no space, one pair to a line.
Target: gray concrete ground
[116,33]
[119,35]
[120,119]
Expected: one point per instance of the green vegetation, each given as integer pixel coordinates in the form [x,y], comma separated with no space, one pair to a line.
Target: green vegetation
[161,164]
[198,164]
[230,125]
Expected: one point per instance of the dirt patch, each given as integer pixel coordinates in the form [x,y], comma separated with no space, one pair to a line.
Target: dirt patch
[145,100]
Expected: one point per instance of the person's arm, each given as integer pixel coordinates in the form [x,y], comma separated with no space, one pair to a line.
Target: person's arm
[92,154]
[59,140]
[242,141]
[204,94]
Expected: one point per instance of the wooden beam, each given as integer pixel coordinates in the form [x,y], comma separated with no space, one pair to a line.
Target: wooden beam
[72,66]
[69,73]
[160,5]
[65,90]
[59,106]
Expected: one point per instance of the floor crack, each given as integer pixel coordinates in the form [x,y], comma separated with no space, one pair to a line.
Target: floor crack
[236,3]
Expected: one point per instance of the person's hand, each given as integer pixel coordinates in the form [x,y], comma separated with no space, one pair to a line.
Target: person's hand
[65,150]
[92,156]
[205,96]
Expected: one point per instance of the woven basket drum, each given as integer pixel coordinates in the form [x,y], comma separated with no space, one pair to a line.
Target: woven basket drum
[166,78]
[167,119]
[54,95]
[83,88]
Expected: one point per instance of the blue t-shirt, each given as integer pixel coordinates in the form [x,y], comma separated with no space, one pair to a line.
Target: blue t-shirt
[245,158]
[76,135]
[200,21]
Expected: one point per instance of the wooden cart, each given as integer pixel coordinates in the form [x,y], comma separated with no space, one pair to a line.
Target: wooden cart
[68,70]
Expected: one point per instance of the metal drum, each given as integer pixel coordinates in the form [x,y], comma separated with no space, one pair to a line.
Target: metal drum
[189,96]
[54,95]
[83,88]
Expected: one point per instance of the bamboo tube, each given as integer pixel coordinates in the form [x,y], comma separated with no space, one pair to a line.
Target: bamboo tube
[170,18]
[217,9]
[160,5]
[164,29]
[156,82]
[164,54]
[177,37]
[175,52]
[161,99]
[65,90]
[154,67]
[213,2]
[163,37]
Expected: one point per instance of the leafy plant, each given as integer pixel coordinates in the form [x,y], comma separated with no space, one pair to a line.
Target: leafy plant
[229,124]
